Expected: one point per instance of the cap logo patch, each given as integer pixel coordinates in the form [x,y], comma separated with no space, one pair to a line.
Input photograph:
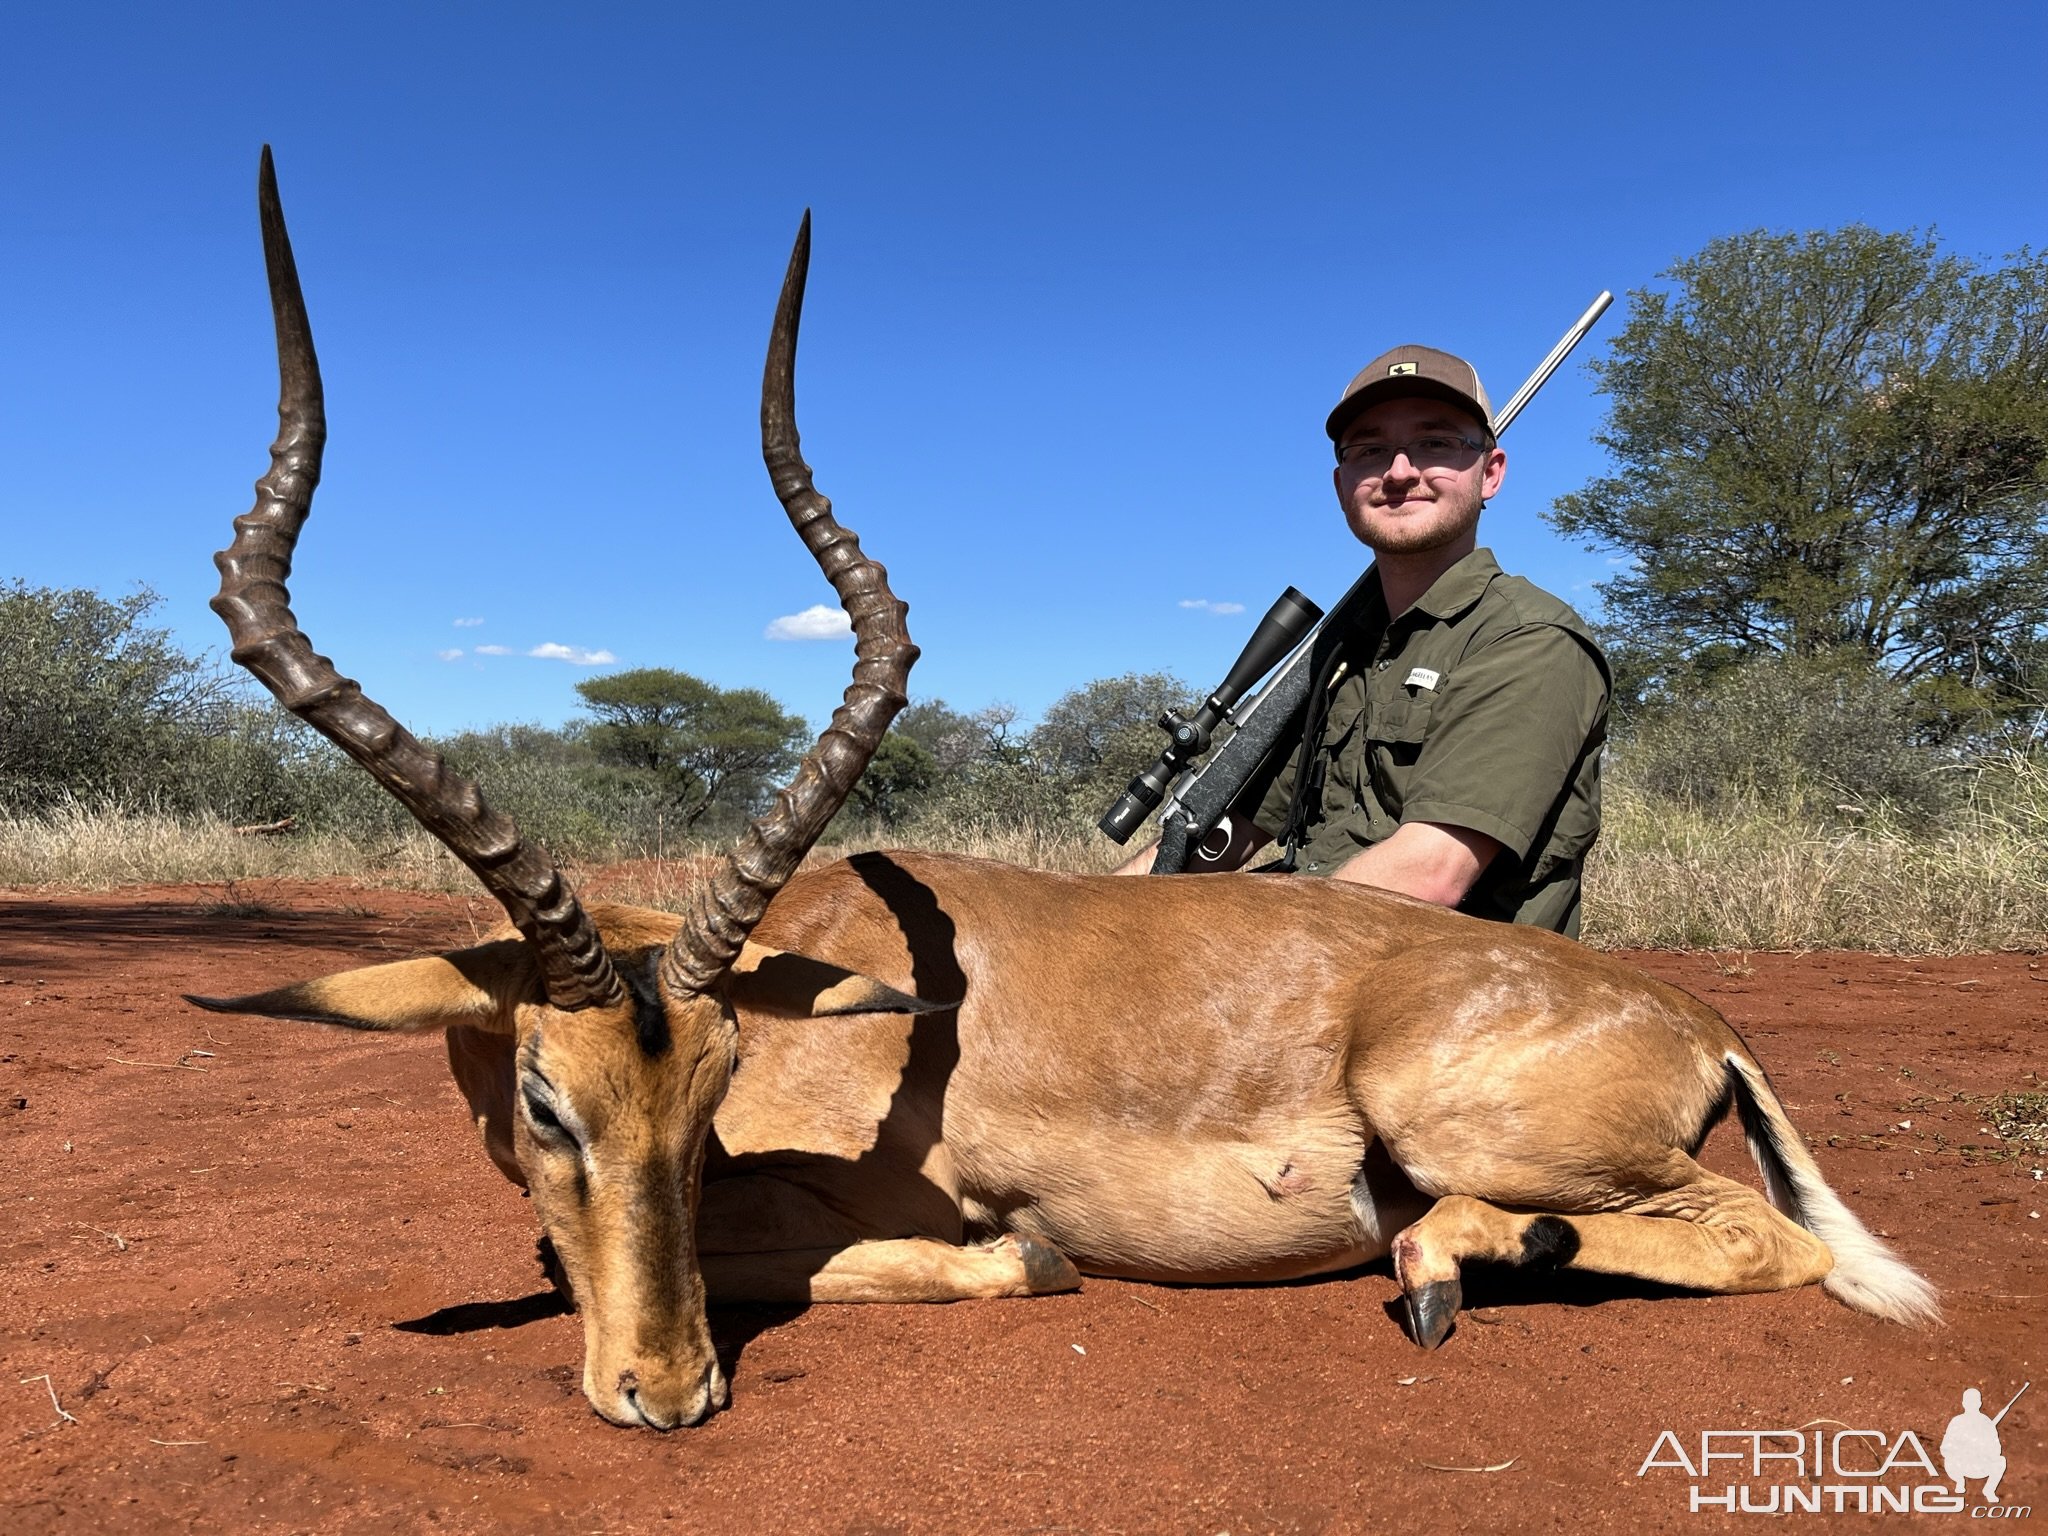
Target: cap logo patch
[1399,369]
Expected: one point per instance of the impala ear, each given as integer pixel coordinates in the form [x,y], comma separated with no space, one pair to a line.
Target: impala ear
[474,987]
[791,986]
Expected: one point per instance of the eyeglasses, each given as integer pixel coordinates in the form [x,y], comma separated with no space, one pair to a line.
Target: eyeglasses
[1435,450]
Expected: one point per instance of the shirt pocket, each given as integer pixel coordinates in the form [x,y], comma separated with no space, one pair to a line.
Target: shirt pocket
[1395,731]
[1400,724]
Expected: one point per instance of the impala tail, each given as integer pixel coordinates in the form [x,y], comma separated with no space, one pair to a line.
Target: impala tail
[1867,1274]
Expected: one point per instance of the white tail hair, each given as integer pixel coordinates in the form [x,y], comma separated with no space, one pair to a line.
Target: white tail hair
[1867,1274]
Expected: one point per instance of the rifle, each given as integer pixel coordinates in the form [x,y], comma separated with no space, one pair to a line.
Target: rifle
[2008,1407]
[1196,822]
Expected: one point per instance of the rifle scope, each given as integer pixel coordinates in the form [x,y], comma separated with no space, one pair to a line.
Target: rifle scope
[1278,633]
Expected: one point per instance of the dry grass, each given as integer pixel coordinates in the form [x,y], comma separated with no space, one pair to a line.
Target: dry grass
[98,848]
[664,883]
[1032,846]
[1664,876]
[1668,876]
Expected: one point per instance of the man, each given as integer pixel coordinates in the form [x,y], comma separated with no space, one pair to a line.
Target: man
[1458,714]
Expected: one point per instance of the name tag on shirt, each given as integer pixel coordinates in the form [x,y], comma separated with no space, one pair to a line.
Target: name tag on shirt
[1422,677]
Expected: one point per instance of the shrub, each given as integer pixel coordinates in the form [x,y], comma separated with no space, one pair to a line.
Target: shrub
[1819,737]
[93,701]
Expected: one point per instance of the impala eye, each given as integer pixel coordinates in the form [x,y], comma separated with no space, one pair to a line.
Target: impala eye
[543,1118]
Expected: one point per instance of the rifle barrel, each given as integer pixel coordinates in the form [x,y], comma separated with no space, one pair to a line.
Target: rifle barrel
[2015,1398]
[1549,365]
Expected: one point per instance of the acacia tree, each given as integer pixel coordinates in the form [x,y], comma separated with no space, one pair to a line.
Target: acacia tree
[709,747]
[1831,444]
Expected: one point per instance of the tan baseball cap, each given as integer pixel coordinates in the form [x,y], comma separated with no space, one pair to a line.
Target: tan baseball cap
[1412,371]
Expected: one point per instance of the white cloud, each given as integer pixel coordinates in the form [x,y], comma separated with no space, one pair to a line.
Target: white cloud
[571,653]
[1203,605]
[453,655]
[816,622]
[467,623]
[578,655]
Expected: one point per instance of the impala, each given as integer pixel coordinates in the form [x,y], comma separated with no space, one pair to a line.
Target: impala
[914,1077]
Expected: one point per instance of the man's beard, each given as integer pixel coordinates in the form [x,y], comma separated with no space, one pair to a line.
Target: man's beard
[1449,519]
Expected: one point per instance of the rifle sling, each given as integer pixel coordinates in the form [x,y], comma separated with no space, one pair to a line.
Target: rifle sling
[1309,765]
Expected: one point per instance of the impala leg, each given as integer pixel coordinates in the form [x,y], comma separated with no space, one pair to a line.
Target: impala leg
[1710,1234]
[892,1269]
[768,1237]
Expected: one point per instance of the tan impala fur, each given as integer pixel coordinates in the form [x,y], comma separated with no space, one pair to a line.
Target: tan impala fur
[1224,1078]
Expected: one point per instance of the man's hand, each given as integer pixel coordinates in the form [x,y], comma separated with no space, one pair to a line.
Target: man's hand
[1425,859]
[1139,863]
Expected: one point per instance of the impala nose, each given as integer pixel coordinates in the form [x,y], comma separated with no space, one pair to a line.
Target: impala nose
[656,1409]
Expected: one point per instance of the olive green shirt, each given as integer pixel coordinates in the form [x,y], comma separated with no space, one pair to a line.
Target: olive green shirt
[1483,706]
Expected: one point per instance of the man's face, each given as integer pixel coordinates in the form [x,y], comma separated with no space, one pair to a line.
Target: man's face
[1404,507]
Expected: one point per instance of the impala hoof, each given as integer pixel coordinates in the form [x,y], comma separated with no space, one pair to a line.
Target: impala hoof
[1432,1309]
[1045,1268]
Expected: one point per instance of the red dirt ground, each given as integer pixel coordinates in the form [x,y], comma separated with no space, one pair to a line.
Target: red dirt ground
[276,1286]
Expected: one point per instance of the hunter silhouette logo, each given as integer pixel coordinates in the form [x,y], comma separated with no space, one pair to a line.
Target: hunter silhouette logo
[1399,369]
[1970,1449]
[1844,1469]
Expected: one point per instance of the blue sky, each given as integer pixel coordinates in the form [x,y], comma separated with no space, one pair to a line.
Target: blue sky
[1086,280]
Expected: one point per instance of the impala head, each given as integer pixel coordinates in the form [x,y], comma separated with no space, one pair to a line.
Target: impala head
[621,1022]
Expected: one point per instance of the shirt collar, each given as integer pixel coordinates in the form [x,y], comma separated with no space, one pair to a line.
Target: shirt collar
[1459,587]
